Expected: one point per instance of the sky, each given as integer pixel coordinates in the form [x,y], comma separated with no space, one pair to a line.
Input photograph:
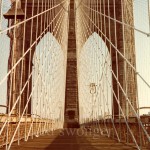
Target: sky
[4,54]
[93,69]
[142,53]
[142,22]
[49,70]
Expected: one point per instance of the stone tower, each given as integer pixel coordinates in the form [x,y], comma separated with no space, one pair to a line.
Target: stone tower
[71,104]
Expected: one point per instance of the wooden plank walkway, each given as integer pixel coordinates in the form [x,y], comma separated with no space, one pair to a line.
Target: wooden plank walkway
[71,140]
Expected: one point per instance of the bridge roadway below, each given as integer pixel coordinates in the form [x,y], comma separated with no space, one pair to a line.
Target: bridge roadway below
[71,139]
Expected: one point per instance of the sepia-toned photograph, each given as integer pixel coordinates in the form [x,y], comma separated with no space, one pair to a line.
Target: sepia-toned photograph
[74,74]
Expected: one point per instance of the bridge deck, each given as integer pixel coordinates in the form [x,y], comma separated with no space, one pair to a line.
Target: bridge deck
[67,140]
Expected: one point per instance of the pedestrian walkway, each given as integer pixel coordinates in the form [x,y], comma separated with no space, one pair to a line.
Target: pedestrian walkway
[71,139]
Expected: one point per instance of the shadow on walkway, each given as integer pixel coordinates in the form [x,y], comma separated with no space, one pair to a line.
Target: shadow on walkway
[70,139]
